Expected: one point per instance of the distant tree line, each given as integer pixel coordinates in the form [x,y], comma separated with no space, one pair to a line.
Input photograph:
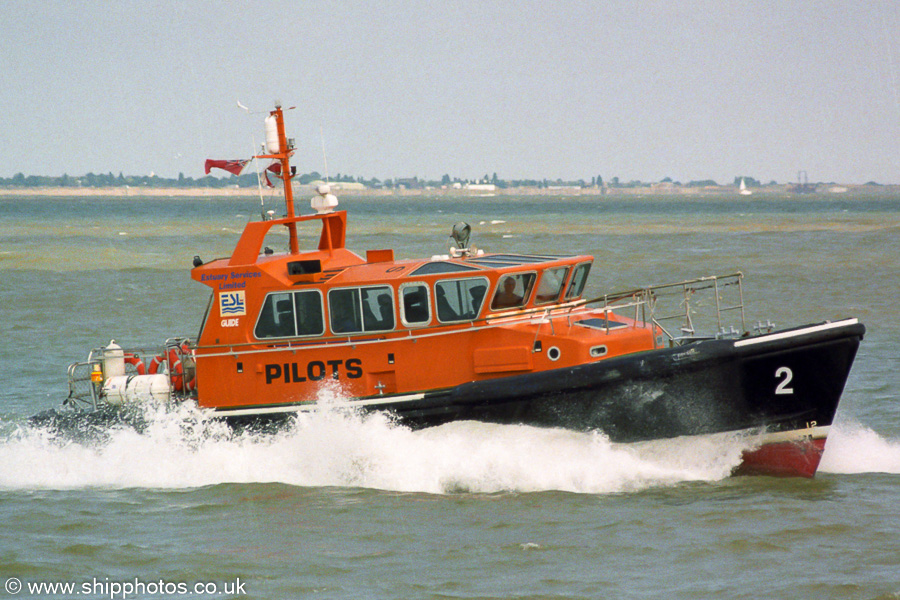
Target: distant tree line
[102,180]
[250,180]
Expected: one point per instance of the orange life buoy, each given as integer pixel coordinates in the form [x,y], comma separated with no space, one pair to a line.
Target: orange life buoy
[155,363]
[191,385]
[134,359]
[176,370]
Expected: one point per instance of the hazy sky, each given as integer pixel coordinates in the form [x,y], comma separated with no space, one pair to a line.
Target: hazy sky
[553,89]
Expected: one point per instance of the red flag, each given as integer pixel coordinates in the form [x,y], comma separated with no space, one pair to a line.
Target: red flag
[235,167]
[275,167]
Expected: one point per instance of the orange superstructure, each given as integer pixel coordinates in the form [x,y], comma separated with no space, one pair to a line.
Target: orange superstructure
[403,339]
[396,351]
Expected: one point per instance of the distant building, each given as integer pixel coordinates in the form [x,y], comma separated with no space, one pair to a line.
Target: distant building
[348,186]
[409,183]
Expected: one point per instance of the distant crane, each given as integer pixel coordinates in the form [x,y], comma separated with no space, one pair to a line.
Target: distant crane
[802,186]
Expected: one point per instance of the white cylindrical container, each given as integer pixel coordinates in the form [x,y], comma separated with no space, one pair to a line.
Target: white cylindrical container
[114,390]
[136,388]
[272,144]
[113,360]
[149,387]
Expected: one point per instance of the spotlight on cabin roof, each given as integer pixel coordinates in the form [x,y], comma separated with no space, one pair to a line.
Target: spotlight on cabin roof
[459,237]
[460,234]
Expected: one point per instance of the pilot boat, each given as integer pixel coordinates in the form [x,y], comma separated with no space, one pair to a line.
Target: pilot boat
[502,338]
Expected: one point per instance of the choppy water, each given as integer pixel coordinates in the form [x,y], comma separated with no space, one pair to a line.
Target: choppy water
[342,506]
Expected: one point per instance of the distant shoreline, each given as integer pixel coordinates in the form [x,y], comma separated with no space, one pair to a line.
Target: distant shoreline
[654,190]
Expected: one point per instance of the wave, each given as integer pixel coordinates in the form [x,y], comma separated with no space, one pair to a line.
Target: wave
[854,448]
[183,447]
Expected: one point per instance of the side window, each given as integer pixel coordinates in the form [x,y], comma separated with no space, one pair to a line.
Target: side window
[308,305]
[459,299]
[378,308]
[414,307]
[579,278]
[344,311]
[551,284]
[512,291]
[361,309]
[276,319]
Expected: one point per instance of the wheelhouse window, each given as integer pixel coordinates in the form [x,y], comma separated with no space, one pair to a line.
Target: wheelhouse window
[414,306]
[552,281]
[512,291]
[579,278]
[290,314]
[308,306]
[459,299]
[436,267]
[358,310]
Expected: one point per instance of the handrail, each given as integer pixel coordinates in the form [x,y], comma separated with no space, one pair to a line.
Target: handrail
[644,301]
[709,280]
[514,315]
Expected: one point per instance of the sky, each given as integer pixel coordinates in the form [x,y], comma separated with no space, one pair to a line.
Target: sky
[639,90]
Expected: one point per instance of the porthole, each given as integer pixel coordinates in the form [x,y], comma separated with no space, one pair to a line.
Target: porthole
[598,351]
[553,353]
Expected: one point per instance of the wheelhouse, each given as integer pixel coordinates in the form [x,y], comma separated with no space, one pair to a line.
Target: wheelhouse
[416,295]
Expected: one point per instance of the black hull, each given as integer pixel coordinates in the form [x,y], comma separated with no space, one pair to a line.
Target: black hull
[789,380]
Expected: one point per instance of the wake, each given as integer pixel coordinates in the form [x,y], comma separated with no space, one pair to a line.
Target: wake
[182,447]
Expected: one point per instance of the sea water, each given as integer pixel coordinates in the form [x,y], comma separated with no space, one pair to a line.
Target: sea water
[348,506]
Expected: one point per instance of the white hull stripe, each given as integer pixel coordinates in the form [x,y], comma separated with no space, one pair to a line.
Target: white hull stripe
[315,406]
[759,437]
[796,435]
[797,332]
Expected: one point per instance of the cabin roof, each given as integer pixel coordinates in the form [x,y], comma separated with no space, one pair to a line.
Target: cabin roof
[418,268]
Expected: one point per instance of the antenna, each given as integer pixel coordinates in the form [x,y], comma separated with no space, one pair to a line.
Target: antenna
[262,208]
[262,204]
[324,156]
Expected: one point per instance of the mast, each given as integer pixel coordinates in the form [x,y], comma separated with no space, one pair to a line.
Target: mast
[281,149]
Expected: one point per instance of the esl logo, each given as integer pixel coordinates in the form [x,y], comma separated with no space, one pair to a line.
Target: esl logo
[232,304]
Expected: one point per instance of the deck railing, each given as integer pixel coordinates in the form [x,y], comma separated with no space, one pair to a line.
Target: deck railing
[687,302]
[85,390]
